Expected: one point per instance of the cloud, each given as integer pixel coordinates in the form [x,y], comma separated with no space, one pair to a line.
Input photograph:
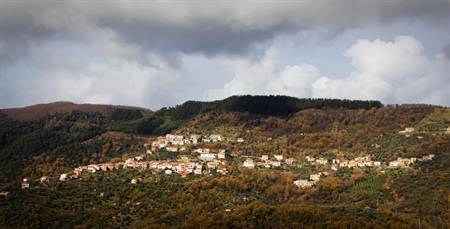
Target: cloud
[207,28]
[389,71]
[109,82]
[135,52]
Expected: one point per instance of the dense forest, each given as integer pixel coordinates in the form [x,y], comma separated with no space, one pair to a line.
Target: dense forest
[417,196]
[168,119]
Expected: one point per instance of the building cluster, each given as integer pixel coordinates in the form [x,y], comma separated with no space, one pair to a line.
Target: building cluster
[208,161]
[171,142]
[338,163]
[400,162]
[266,162]
[183,167]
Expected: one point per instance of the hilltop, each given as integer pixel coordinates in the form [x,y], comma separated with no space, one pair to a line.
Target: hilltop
[40,111]
[243,162]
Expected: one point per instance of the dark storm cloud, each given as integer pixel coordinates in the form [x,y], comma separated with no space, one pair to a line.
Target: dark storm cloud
[208,28]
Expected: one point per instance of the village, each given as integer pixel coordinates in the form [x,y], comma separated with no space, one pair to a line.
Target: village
[216,162]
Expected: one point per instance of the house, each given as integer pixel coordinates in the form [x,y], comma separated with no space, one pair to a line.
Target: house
[198,171]
[335,161]
[74,176]
[77,171]
[377,163]
[4,193]
[222,150]
[343,163]
[143,165]
[407,130]
[289,161]
[25,183]
[216,137]
[172,148]
[195,138]
[304,183]
[44,179]
[315,177]
[322,161]
[394,164]
[448,130]
[207,156]
[64,176]
[136,180]
[310,159]
[211,165]
[265,157]
[93,168]
[428,158]
[221,155]
[275,163]
[279,157]
[240,140]
[200,150]
[249,163]
[352,164]
[334,167]
[168,172]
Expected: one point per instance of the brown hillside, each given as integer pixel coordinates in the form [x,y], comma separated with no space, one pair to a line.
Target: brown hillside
[39,111]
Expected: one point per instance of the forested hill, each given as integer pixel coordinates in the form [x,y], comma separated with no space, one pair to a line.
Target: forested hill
[40,111]
[264,105]
[167,119]
[231,194]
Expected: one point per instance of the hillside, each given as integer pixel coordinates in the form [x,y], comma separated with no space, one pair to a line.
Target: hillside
[40,111]
[242,162]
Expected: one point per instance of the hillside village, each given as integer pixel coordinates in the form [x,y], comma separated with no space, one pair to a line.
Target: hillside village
[217,162]
[386,166]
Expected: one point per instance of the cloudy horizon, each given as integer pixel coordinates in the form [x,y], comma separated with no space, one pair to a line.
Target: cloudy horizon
[157,54]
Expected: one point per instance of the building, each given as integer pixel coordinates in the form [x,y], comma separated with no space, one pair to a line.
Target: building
[279,157]
[304,183]
[249,163]
[315,177]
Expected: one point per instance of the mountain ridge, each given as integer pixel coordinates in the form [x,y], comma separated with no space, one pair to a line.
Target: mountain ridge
[38,111]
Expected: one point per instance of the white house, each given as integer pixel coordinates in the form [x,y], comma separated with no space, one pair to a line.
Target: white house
[304,183]
[279,157]
[322,161]
[198,171]
[314,177]
[64,176]
[207,156]
[394,163]
[275,163]
[221,155]
[172,148]
[249,163]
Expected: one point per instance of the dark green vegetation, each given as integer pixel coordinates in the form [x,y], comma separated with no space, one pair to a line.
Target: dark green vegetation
[168,119]
[260,198]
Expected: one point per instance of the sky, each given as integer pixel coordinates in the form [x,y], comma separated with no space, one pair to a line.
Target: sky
[156,54]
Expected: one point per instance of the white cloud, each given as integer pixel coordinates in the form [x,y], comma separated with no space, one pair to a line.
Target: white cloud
[392,72]
[111,82]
